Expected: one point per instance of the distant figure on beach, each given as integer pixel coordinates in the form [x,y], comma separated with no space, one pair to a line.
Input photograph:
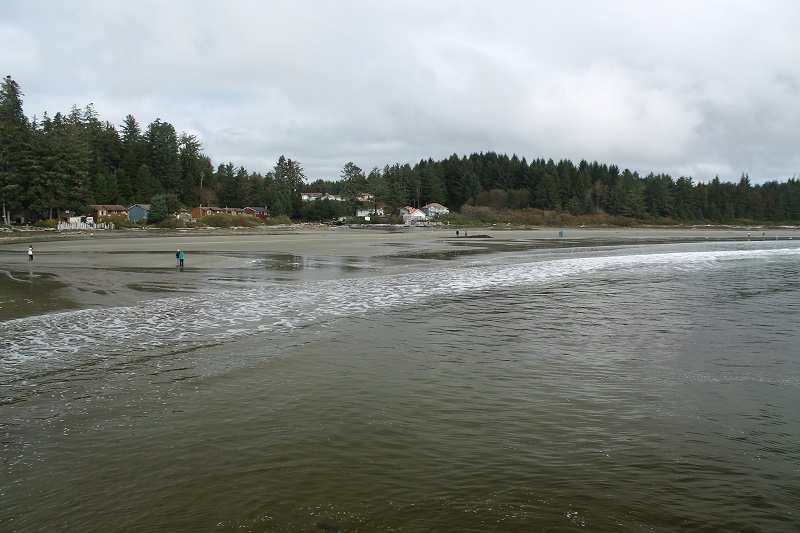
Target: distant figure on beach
[561,233]
[30,253]
[465,233]
[748,235]
[456,233]
[180,260]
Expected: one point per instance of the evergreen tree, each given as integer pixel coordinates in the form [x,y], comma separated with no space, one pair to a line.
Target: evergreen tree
[134,147]
[743,192]
[228,190]
[289,181]
[66,157]
[377,187]
[627,196]
[146,185]
[103,188]
[354,183]
[658,193]
[158,208]
[599,196]
[46,188]
[282,205]
[396,177]
[192,167]
[164,157]
[15,149]
[470,186]
[124,187]
[547,195]
[433,184]
[684,199]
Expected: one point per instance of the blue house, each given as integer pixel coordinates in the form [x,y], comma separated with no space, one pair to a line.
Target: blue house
[138,212]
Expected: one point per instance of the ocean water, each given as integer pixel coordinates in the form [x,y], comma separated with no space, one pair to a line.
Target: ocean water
[607,388]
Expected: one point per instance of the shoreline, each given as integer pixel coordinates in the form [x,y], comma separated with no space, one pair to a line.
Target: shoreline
[101,271]
[217,248]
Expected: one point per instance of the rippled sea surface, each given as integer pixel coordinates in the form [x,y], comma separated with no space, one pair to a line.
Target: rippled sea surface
[613,388]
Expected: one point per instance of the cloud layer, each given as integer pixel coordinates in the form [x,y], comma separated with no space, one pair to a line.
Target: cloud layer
[688,88]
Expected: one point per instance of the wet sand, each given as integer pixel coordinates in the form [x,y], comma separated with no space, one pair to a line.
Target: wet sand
[229,248]
[127,267]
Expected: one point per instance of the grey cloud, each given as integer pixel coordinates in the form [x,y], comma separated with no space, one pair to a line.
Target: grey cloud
[680,87]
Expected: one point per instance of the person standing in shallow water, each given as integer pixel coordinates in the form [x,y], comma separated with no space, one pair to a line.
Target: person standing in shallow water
[180,260]
[30,252]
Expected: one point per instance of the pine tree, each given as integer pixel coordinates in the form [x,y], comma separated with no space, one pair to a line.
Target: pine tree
[15,148]
[354,182]
[377,187]
[192,167]
[158,209]
[164,157]
[146,185]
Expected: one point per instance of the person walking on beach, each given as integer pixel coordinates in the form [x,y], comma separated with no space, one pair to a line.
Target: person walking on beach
[180,260]
[30,252]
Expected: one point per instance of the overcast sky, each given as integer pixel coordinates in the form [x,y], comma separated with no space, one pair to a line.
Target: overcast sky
[691,88]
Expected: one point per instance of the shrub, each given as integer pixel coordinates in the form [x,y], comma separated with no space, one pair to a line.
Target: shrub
[280,219]
[217,221]
[481,215]
[119,221]
[245,221]
[49,223]
[170,223]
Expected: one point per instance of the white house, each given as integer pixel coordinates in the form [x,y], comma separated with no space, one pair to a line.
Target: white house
[310,196]
[413,215]
[434,209]
[370,211]
[366,197]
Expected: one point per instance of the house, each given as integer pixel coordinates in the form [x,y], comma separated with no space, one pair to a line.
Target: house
[200,212]
[103,211]
[234,212]
[366,197]
[333,197]
[138,212]
[311,196]
[368,212]
[66,214]
[413,215]
[184,214]
[261,213]
[434,209]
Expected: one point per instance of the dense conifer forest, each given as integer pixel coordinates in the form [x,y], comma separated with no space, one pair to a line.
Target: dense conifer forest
[69,161]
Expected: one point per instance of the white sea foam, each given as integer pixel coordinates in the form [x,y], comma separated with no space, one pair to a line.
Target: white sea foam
[196,320]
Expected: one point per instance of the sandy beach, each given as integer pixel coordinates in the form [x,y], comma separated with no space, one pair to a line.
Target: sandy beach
[127,267]
[210,248]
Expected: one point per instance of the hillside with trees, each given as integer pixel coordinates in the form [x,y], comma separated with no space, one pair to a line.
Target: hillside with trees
[70,161]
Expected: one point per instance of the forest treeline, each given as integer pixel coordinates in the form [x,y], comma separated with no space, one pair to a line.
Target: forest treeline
[69,161]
